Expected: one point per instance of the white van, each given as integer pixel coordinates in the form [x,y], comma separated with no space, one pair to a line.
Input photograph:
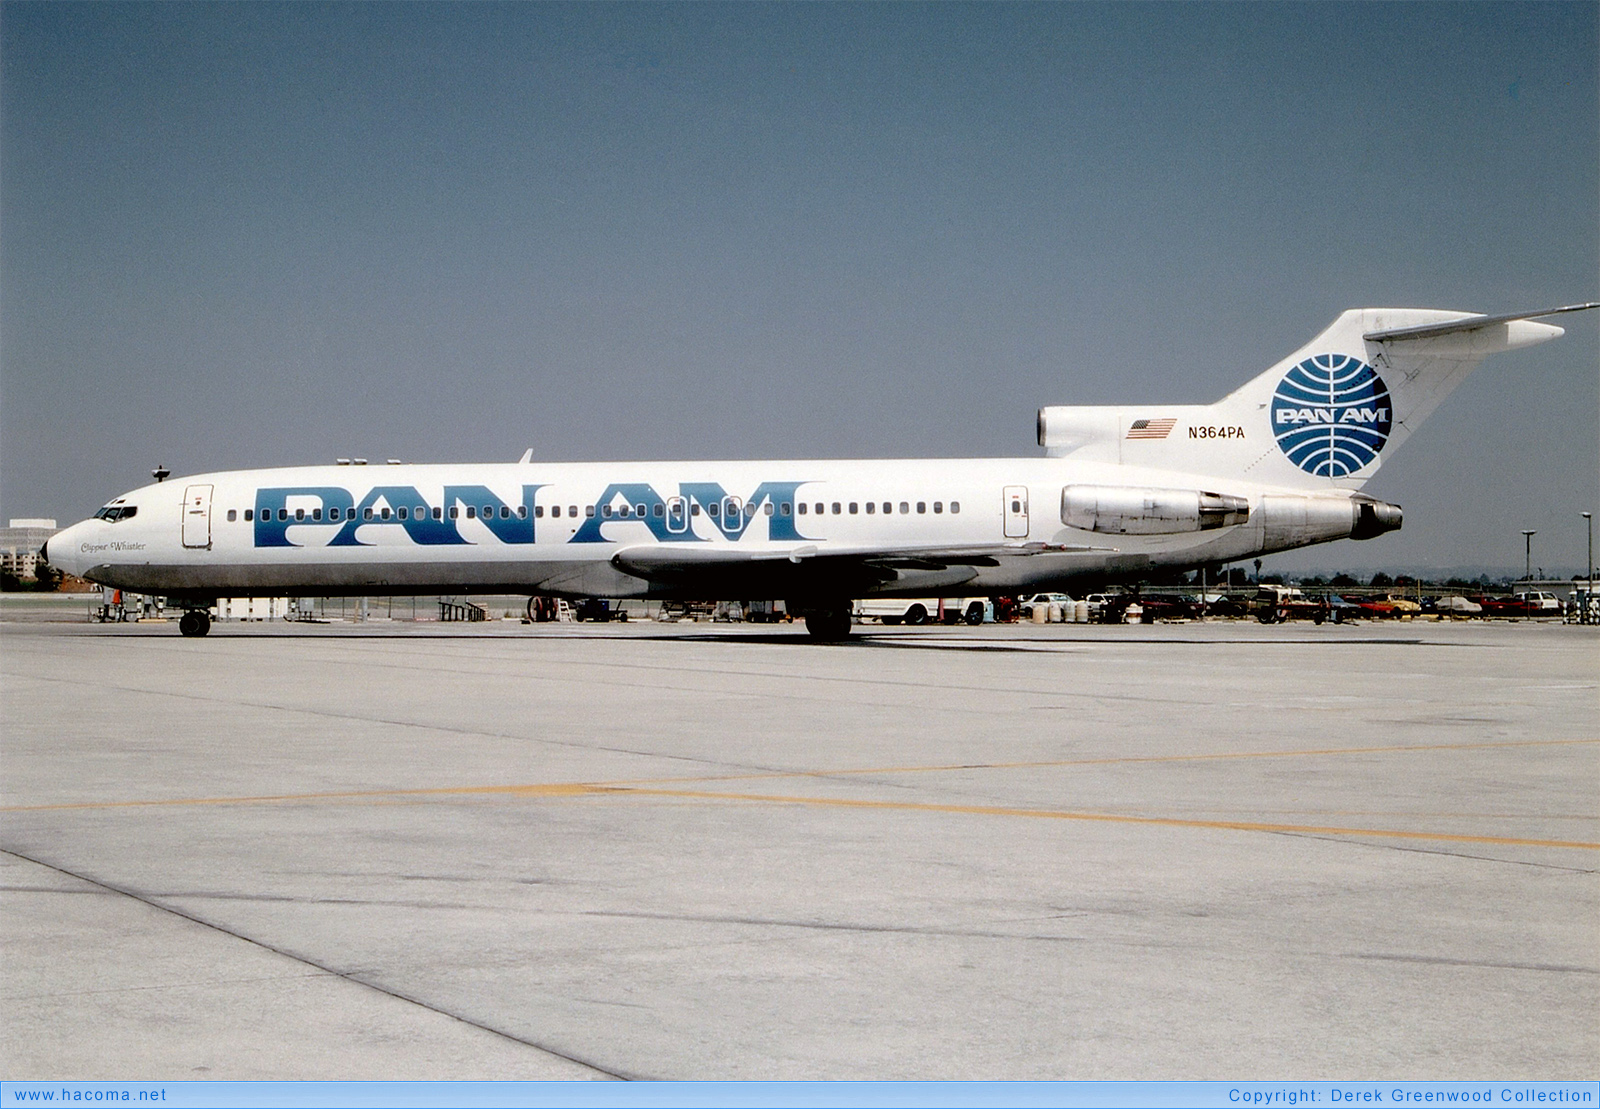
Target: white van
[922,610]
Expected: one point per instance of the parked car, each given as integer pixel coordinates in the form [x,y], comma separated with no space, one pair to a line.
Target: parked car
[1341,610]
[1225,604]
[1169,606]
[1107,608]
[1520,604]
[1026,605]
[1273,604]
[1453,606]
[1390,606]
[1539,603]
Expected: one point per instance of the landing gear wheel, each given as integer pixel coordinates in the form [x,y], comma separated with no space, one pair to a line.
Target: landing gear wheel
[830,626]
[194,622]
[975,615]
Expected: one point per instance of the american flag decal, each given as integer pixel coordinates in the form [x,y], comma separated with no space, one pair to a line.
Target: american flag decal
[1150,429]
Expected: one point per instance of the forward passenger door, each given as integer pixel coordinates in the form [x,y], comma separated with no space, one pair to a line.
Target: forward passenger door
[197,517]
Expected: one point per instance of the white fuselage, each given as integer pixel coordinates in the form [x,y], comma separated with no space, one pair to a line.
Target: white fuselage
[712,529]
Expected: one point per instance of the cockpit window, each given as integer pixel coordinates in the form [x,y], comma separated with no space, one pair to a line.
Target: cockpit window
[111,513]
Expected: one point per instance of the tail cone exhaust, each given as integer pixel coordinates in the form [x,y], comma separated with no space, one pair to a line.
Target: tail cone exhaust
[1373,518]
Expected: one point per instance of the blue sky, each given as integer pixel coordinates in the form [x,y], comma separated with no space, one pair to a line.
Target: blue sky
[259,234]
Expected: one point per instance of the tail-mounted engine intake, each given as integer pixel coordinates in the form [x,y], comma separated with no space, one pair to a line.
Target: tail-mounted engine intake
[1123,510]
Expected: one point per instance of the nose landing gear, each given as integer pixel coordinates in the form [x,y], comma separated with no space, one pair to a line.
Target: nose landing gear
[195,622]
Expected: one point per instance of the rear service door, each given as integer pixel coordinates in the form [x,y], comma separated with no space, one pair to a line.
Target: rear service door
[1016,512]
[197,517]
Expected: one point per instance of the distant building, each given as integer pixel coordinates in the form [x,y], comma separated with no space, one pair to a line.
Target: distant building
[20,544]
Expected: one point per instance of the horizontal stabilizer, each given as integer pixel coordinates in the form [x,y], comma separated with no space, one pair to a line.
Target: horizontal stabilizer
[1470,323]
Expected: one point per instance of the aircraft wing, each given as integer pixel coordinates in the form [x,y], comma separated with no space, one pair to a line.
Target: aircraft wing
[807,568]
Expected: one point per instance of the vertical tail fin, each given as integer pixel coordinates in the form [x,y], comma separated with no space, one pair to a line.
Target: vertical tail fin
[1324,417]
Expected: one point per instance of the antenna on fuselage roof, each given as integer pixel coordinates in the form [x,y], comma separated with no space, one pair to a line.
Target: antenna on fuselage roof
[527,457]
[160,473]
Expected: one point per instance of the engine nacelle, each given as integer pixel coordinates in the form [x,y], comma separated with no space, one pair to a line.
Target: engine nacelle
[1290,521]
[1129,510]
[1063,429]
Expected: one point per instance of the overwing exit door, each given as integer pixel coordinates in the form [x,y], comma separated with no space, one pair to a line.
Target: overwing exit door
[197,516]
[1016,512]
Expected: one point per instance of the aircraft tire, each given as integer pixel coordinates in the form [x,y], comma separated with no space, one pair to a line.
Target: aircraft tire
[829,626]
[974,615]
[194,623]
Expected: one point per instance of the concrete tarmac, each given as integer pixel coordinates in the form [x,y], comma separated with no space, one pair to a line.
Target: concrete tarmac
[421,851]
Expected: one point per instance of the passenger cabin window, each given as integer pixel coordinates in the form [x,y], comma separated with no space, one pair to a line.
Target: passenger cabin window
[538,512]
[872,506]
[852,508]
[713,508]
[802,507]
[904,508]
[299,514]
[283,514]
[455,512]
[922,508]
[522,512]
[588,510]
[767,509]
[366,513]
[835,508]
[233,514]
[316,513]
[249,515]
[660,510]
[786,509]
[938,506]
[472,512]
[385,512]
[955,506]
[403,512]
[606,511]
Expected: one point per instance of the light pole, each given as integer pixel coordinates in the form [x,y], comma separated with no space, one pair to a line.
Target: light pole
[1527,554]
[1588,520]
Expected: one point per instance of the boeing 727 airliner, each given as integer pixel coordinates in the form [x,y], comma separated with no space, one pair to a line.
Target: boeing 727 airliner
[1122,492]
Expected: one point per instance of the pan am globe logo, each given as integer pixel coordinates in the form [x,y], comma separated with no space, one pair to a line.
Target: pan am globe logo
[1331,415]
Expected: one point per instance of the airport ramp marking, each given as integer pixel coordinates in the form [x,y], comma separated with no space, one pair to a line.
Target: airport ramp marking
[1106,818]
[657,787]
[561,789]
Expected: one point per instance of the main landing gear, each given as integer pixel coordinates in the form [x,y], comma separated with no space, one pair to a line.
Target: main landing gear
[829,625]
[195,622]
